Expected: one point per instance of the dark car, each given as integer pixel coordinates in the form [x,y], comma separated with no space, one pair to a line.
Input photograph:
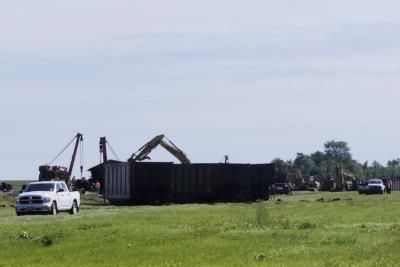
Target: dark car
[362,186]
[281,188]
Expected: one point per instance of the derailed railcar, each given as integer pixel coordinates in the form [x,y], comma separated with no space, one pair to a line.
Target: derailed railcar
[154,182]
[221,182]
[98,172]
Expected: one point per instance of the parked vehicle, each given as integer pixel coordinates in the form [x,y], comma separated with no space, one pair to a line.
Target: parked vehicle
[362,186]
[308,186]
[281,188]
[376,186]
[47,197]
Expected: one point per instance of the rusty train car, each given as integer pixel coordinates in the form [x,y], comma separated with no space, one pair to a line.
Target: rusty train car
[164,182]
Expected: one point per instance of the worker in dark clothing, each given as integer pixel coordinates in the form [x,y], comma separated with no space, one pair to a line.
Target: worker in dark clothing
[272,191]
[388,186]
[290,189]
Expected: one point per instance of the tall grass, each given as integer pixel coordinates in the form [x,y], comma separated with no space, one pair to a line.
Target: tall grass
[299,230]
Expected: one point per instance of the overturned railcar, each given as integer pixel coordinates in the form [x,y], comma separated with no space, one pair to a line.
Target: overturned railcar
[157,182]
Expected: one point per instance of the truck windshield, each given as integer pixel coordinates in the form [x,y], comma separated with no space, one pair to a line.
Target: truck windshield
[40,187]
[375,182]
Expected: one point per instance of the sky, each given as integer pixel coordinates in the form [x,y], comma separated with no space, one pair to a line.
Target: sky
[254,80]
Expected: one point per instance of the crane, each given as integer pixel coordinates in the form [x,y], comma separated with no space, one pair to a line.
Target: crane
[104,145]
[163,141]
[47,172]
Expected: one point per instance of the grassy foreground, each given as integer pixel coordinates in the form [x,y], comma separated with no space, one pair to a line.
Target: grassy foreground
[314,229]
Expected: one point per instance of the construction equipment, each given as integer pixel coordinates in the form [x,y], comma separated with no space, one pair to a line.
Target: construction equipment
[295,178]
[347,179]
[343,180]
[163,141]
[103,148]
[294,175]
[48,172]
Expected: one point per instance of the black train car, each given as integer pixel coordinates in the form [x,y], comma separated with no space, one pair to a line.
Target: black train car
[154,182]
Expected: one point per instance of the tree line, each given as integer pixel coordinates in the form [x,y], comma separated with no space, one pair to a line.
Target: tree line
[336,153]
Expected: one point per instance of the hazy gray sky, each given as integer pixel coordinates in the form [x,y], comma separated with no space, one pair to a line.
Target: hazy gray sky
[252,79]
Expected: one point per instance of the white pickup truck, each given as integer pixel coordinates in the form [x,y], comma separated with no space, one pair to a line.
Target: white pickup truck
[376,186]
[47,197]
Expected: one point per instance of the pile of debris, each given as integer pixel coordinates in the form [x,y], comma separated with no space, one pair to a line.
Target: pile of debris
[4,187]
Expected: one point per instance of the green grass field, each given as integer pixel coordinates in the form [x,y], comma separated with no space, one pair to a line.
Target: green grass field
[312,229]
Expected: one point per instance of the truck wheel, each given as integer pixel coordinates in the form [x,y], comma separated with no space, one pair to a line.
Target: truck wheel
[74,208]
[53,210]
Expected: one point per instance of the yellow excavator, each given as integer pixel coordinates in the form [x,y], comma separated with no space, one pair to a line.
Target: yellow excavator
[347,179]
[294,175]
[343,181]
[163,141]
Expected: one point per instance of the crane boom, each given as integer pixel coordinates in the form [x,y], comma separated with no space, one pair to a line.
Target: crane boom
[103,148]
[79,138]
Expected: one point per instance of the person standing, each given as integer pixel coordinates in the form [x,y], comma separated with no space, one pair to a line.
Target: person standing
[389,186]
[98,186]
[290,188]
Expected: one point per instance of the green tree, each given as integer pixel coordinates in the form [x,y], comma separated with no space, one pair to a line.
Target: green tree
[339,151]
[376,170]
[304,163]
[355,167]
[393,168]
[281,169]
[320,163]
[336,153]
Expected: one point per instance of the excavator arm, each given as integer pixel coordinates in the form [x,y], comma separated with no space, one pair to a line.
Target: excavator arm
[293,170]
[168,145]
[174,150]
[349,174]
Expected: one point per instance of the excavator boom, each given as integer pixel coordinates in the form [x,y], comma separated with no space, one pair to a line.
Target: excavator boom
[174,150]
[168,145]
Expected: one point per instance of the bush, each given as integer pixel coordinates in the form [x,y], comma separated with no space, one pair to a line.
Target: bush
[306,226]
[46,241]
